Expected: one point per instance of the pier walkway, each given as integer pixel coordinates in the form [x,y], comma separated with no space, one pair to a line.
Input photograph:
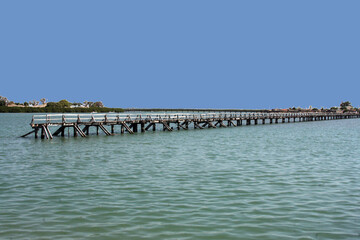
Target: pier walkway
[80,124]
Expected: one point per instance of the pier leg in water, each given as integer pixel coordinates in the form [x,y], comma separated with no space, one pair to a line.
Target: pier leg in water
[211,125]
[42,133]
[166,126]
[142,127]
[28,133]
[232,123]
[134,127]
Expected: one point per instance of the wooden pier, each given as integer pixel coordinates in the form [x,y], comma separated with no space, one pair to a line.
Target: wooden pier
[112,123]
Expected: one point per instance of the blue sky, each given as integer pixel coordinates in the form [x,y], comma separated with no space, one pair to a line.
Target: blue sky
[182,54]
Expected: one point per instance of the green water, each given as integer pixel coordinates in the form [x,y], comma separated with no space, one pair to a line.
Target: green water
[284,181]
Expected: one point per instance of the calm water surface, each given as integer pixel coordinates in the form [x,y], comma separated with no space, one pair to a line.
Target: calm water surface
[285,181]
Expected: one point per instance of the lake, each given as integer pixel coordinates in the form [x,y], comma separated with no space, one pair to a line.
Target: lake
[280,181]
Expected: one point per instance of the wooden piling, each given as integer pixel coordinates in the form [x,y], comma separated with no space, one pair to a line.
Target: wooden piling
[142,127]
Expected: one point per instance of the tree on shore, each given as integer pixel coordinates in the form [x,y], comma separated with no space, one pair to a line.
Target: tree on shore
[98,104]
[76,104]
[3,101]
[43,101]
[64,103]
[345,105]
[34,103]
[93,104]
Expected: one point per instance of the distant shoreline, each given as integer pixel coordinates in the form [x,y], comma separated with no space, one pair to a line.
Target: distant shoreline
[5,109]
[219,110]
[192,110]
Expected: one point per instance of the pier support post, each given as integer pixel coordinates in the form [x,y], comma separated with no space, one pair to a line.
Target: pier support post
[134,127]
[211,125]
[42,133]
[36,132]
[112,129]
[166,126]
[142,127]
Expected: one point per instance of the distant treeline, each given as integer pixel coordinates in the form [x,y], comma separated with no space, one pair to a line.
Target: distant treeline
[192,110]
[344,107]
[53,109]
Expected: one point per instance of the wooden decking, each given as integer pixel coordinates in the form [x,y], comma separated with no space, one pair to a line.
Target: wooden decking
[112,123]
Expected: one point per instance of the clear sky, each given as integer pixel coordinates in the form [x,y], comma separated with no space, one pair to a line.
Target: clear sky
[182,54]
